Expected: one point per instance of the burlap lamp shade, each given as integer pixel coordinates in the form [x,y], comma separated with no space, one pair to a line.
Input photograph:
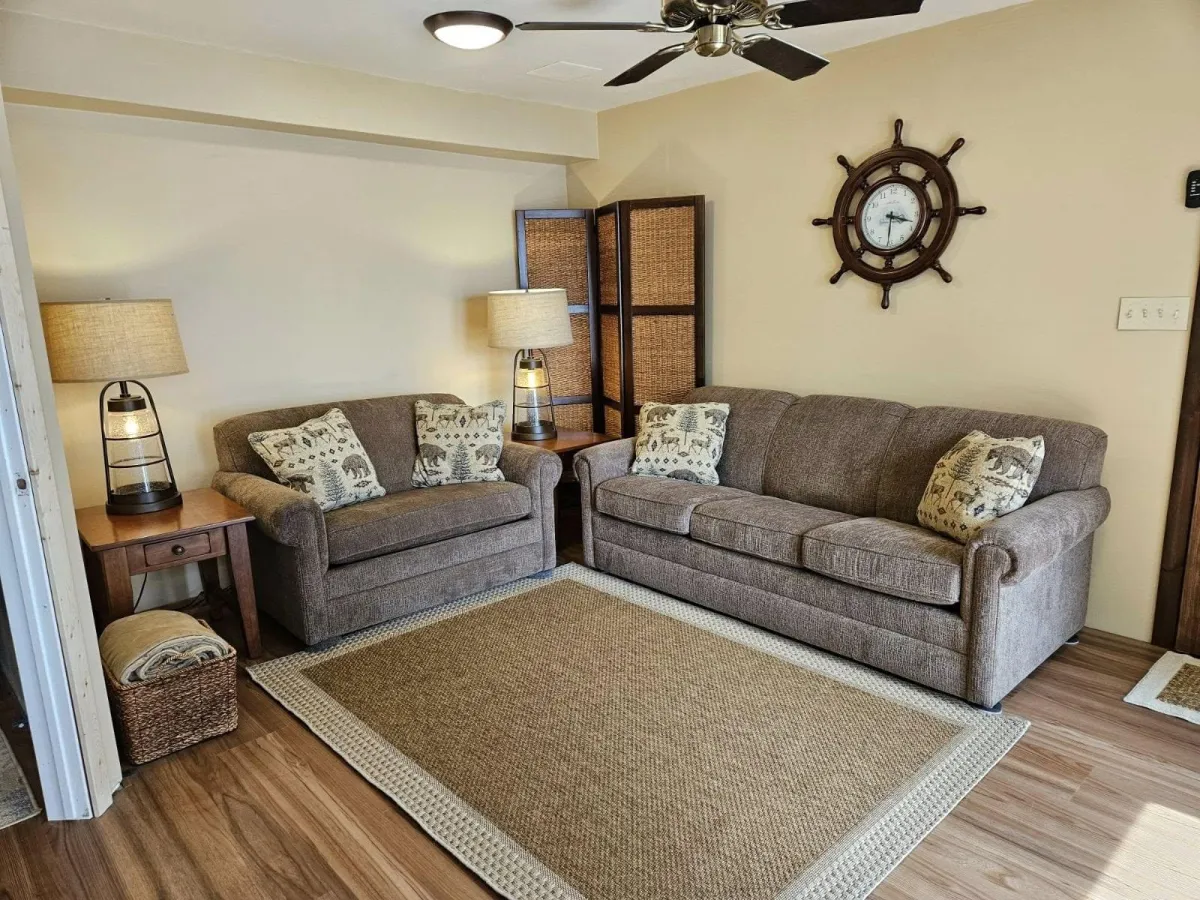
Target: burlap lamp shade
[117,342]
[529,321]
[111,340]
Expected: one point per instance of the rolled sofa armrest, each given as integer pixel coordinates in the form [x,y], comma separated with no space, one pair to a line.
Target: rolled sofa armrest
[594,466]
[285,515]
[1036,535]
[601,463]
[540,471]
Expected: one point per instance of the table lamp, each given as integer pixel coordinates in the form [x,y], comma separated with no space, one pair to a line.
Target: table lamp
[118,342]
[528,322]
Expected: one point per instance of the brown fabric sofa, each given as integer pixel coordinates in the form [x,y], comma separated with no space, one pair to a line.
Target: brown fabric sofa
[326,574]
[813,534]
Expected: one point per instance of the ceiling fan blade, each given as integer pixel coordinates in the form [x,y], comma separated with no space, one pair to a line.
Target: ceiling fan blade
[592,26]
[781,57]
[822,12]
[650,65]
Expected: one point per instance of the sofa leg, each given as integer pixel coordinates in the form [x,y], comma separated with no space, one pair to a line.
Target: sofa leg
[1073,641]
[990,710]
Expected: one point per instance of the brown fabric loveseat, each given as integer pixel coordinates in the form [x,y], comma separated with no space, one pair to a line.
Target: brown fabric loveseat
[323,575]
[813,534]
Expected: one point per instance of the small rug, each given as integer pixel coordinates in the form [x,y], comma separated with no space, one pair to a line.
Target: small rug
[1171,687]
[582,737]
[16,800]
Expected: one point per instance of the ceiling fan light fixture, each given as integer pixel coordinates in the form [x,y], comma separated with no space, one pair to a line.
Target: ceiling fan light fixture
[468,29]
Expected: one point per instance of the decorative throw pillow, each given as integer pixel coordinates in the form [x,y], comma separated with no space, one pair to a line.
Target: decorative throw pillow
[458,444]
[322,458]
[980,479]
[681,441]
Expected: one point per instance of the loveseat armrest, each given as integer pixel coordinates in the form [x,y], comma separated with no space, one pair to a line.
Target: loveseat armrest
[593,467]
[284,515]
[1036,535]
[601,463]
[539,470]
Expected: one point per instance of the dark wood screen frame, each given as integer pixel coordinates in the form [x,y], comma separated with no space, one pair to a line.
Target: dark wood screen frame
[1179,577]
[592,307]
[626,309]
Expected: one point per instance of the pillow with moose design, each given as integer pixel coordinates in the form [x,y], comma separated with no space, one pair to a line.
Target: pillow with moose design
[683,441]
[458,444]
[979,480]
[322,458]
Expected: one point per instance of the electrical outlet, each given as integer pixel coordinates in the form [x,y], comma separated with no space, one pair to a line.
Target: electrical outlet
[1154,314]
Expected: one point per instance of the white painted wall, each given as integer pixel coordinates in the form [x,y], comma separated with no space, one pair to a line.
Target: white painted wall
[302,269]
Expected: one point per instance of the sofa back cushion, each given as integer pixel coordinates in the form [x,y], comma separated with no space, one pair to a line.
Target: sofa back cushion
[384,425]
[753,417]
[828,451]
[1074,453]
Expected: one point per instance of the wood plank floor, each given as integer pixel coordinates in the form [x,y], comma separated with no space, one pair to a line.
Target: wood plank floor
[1100,801]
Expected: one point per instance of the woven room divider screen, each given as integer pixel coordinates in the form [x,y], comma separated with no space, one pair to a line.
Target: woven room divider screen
[634,276]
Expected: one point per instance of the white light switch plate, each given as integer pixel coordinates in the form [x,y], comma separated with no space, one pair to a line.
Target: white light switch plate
[1154,314]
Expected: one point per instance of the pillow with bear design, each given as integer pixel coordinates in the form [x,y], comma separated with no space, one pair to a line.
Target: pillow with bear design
[682,440]
[322,458]
[458,444]
[980,479]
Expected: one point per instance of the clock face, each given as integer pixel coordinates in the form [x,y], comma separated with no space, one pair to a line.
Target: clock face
[890,216]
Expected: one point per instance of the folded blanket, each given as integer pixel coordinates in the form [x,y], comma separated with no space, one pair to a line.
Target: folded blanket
[152,644]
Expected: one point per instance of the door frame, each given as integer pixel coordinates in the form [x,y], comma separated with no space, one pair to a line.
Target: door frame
[1179,574]
[50,614]
[45,690]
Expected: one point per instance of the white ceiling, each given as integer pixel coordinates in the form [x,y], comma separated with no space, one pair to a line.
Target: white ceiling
[386,37]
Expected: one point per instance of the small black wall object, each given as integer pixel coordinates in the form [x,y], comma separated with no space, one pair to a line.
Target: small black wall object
[1193,190]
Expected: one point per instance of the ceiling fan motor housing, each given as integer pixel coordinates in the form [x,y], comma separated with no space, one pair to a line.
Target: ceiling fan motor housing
[714,40]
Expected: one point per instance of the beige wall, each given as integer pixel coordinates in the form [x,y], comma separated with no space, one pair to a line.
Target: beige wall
[302,269]
[1082,121]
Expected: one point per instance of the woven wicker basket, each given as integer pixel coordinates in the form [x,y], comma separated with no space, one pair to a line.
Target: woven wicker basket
[155,718]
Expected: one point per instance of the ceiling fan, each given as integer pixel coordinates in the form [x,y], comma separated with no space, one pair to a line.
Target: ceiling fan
[714,31]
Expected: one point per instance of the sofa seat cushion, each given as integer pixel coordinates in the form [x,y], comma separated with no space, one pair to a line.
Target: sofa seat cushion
[889,557]
[766,527]
[662,503]
[415,518]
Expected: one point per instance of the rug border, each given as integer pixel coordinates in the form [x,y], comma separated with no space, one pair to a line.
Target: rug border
[885,838]
[1145,692]
[23,781]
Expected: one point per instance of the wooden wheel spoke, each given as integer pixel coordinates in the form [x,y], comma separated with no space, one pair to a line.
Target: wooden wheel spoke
[972,210]
[838,275]
[887,296]
[819,223]
[846,164]
[958,145]
[946,276]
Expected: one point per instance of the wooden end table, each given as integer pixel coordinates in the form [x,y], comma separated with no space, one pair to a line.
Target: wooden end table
[206,527]
[568,516]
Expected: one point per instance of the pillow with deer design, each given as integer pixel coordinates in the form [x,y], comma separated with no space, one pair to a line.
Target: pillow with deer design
[682,440]
[979,480]
[322,458]
[458,444]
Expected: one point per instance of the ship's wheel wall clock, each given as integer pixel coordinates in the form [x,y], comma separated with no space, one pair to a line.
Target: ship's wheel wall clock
[896,215]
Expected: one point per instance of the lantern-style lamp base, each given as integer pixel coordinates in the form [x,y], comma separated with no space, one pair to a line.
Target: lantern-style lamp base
[533,403]
[137,469]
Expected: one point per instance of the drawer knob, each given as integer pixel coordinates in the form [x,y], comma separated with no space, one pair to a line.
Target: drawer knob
[179,550]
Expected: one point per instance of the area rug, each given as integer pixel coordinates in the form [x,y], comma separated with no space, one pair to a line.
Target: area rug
[16,800]
[1172,686]
[583,737]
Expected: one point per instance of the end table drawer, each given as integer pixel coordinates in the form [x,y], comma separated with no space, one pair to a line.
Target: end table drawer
[165,553]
